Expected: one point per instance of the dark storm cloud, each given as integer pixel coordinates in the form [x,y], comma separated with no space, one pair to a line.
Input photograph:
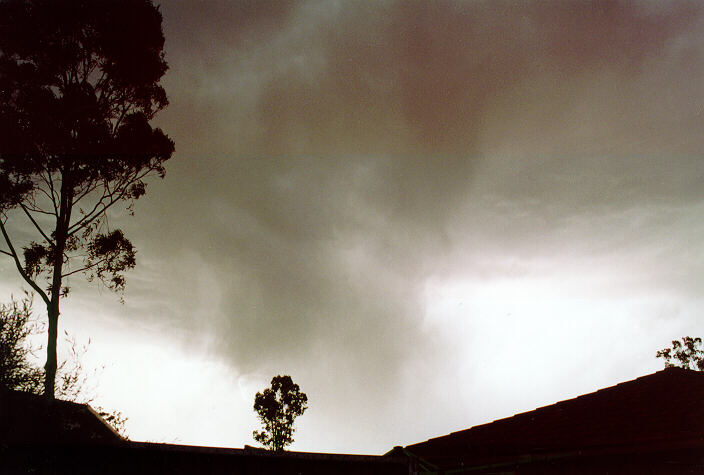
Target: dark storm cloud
[211,29]
[327,150]
[418,86]
[413,78]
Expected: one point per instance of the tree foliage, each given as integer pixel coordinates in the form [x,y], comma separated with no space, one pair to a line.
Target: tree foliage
[79,84]
[16,327]
[687,353]
[18,372]
[277,407]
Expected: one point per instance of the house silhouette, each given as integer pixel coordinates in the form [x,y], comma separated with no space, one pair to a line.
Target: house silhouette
[39,436]
[653,424]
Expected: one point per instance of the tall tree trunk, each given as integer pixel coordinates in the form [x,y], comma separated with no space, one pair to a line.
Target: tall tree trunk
[51,362]
[61,235]
[53,314]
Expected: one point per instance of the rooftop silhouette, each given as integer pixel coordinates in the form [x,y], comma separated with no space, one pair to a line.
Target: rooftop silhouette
[653,421]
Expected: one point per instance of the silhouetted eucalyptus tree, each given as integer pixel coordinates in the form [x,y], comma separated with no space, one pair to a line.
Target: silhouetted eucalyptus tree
[277,407]
[687,354]
[79,83]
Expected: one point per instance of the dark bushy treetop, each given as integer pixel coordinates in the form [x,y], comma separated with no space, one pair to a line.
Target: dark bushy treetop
[687,354]
[79,84]
[277,407]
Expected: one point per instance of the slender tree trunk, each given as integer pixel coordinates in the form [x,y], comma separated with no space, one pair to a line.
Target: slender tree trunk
[51,363]
[53,315]
[61,235]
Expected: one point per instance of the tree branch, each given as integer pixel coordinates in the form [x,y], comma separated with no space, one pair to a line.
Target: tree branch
[21,270]
[123,113]
[52,197]
[84,268]
[46,193]
[115,195]
[89,189]
[40,211]
[36,225]
[99,85]
[90,216]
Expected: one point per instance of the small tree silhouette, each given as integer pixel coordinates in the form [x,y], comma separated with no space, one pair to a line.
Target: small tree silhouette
[16,327]
[687,354]
[277,407]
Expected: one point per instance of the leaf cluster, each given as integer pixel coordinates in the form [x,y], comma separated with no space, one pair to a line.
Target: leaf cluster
[16,326]
[277,407]
[687,353]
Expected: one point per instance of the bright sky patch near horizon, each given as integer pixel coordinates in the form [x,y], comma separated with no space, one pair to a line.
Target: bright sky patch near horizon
[430,214]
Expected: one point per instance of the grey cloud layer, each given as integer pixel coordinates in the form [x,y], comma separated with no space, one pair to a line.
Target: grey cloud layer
[333,155]
[328,147]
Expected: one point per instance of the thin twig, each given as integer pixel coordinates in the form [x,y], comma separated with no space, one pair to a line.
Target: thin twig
[84,268]
[53,194]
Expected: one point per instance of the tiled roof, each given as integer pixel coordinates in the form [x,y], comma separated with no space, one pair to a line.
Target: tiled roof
[661,411]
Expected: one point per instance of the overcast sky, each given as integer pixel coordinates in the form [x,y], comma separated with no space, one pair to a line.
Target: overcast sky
[430,214]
